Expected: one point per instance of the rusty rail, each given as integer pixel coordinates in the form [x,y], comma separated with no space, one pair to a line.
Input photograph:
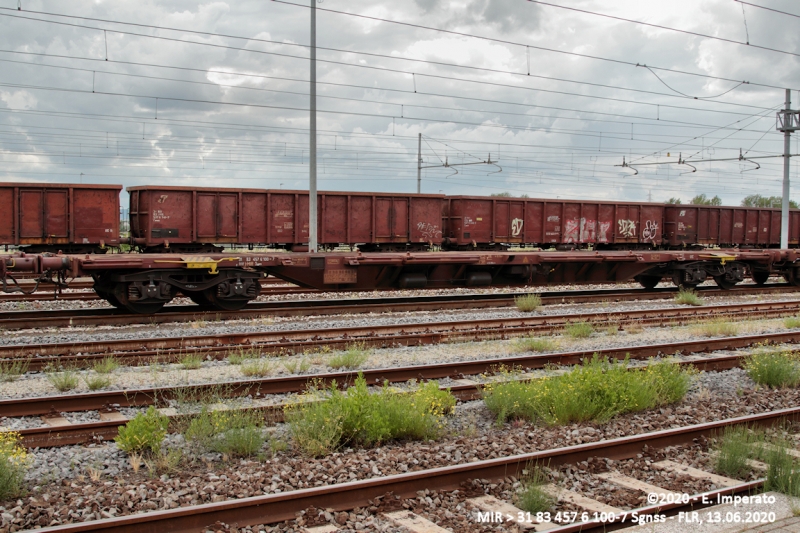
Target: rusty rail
[105,430]
[107,316]
[166,349]
[274,508]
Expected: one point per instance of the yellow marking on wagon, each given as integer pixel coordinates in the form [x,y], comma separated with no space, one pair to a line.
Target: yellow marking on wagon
[197,262]
[723,258]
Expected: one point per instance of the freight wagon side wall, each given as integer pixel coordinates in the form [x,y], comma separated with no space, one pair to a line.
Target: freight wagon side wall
[95,216]
[346,218]
[161,216]
[9,234]
[59,214]
[183,215]
[477,220]
[728,226]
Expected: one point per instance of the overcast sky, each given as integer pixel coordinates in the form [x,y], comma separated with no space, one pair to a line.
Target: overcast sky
[552,95]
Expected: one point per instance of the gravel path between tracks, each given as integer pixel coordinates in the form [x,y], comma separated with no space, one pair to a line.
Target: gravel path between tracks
[79,483]
[158,374]
[272,324]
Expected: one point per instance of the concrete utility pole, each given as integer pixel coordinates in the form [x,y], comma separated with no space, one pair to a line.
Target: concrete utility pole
[788,121]
[312,160]
[419,163]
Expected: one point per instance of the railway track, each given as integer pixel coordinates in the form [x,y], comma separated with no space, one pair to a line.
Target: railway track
[275,508]
[107,316]
[108,402]
[171,349]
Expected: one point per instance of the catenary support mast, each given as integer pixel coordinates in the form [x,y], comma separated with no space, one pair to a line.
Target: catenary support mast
[787,135]
[312,160]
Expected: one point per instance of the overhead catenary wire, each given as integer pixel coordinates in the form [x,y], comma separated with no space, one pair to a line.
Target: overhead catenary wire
[288,108]
[661,27]
[443,77]
[657,122]
[575,54]
[14,13]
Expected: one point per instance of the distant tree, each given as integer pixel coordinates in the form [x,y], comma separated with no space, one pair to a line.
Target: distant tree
[524,196]
[702,199]
[503,194]
[756,200]
[673,200]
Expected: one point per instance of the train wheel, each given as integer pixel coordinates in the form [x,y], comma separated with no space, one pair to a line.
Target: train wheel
[648,282]
[108,296]
[676,279]
[724,284]
[228,304]
[793,276]
[120,292]
[759,277]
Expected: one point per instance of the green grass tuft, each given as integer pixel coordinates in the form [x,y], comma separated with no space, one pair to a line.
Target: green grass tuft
[96,381]
[236,433]
[63,381]
[531,497]
[579,330]
[534,344]
[12,370]
[107,365]
[775,369]
[256,368]
[735,447]
[716,328]
[355,356]
[359,416]
[597,390]
[191,361]
[688,297]
[528,302]
[783,472]
[239,356]
[14,460]
[791,322]
[144,433]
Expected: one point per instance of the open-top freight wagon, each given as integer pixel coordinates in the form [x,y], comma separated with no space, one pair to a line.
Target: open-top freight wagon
[203,219]
[82,218]
[51,217]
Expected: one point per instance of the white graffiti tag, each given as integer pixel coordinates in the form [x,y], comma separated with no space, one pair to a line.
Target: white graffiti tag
[571,230]
[588,230]
[428,231]
[516,227]
[602,232]
[627,228]
[650,231]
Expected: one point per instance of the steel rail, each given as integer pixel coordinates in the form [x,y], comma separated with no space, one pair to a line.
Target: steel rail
[167,349]
[62,435]
[108,316]
[274,508]
[43,405]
